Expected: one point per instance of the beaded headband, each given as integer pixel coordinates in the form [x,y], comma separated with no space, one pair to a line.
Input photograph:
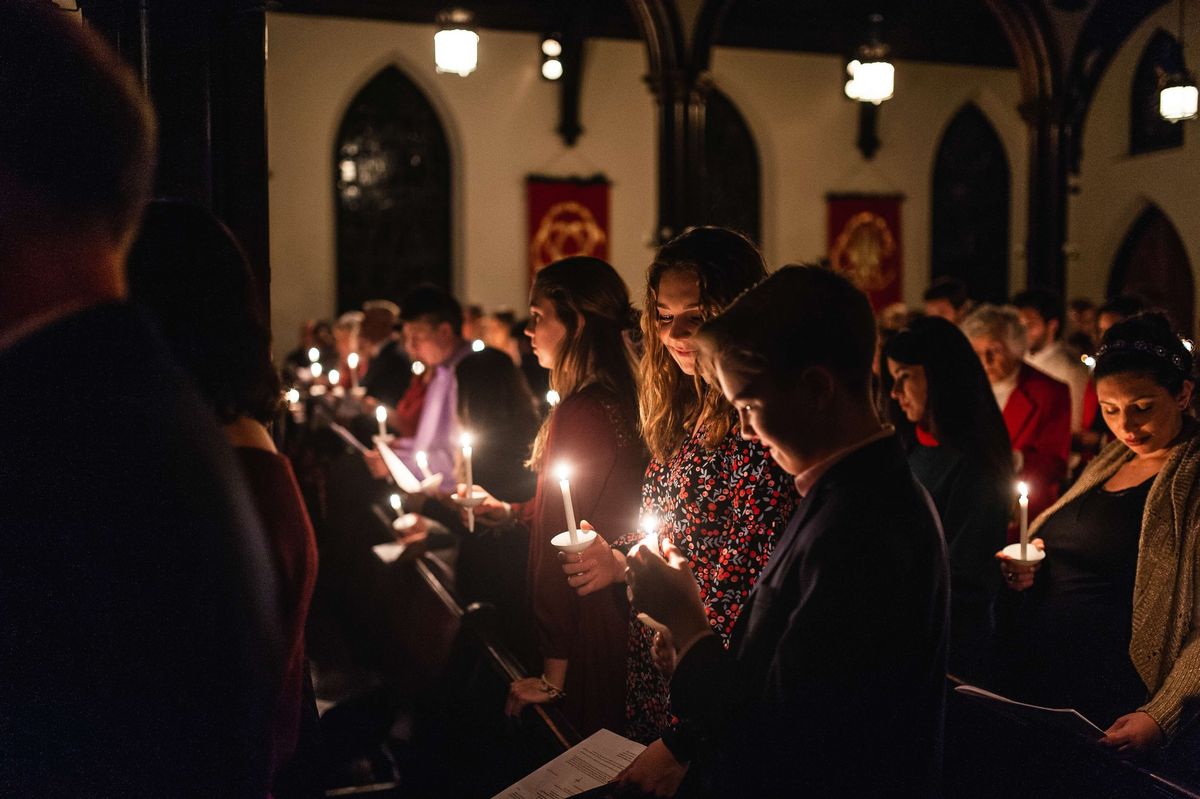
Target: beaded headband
[1177,359]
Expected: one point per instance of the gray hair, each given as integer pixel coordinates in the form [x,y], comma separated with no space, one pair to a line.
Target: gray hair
[1001,322]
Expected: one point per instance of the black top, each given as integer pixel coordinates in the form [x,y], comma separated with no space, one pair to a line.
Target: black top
[973,503]
[834,681]
[1069,644]
[139,647]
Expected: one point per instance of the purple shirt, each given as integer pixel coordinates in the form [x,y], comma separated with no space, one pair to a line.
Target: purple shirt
[437,430]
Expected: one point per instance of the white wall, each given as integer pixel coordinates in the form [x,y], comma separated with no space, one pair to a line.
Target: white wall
[1114,187]
[806,129]
[501,124]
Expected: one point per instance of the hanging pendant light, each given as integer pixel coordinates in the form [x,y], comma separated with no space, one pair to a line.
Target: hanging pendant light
[872,76]
[1177,93]
[456,44]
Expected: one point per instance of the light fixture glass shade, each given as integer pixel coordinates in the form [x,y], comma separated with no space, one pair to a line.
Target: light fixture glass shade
[552,69]
[456,50]
[870,81]
[1177,100]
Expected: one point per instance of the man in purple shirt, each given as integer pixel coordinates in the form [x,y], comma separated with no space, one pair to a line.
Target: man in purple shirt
[432,322]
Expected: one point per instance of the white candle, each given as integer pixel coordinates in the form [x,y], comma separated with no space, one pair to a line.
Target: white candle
[381,417]
[649,526]
[465,441]
[565,485]
[352,363]
[1023,502]
[423,464]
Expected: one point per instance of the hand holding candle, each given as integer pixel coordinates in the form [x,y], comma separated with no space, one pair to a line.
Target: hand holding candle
[1023,502]
[649,526]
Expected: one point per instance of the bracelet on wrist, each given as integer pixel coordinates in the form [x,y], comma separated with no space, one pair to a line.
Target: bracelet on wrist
[549,688]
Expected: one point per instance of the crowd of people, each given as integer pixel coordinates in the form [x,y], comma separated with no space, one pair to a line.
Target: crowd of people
[793,512]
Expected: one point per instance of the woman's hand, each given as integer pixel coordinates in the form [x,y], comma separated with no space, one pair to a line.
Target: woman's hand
[375,464]
[655,771]
[490,511]
[529,691]
[1018,576]
[597,567]
[1133,734]
[662,654]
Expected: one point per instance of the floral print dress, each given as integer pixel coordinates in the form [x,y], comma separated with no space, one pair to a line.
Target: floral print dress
[723,507]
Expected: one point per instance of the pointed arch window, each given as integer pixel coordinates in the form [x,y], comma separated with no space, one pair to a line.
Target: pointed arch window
[733,195]
[1148,131]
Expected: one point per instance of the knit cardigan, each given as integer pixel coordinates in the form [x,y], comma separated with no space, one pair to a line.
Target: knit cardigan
[1165,640]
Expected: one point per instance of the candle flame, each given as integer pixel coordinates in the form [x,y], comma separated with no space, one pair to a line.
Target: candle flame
[552,398]
[380,413]
[314,355]
[293,395]
[477,345]
[335,376]
[394,499]
[464,440]
[1023,489]
[352,360]
[422,459]
[418,368]
[562,471]
[316,369]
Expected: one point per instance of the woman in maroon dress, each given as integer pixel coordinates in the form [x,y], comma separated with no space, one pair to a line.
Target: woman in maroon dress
[188,271]
[720,498]
[579,316]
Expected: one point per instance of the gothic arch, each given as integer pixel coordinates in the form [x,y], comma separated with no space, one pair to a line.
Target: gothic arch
[392,192]
[1147,130]
[733,180]
[1153,262]
[970,213]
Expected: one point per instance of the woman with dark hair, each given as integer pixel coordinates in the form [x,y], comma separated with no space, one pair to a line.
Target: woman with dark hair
[495,404]
[187,270]
[961,455]
[579,313]
[1110,622]
[719,497]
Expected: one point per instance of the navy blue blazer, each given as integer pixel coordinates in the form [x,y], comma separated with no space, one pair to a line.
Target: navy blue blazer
[834,681]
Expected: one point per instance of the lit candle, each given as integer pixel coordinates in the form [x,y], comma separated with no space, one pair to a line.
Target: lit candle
[565,485]
[649,526]
[423,464]
[316,369]
[352,363]
[293,396]
[552,398]
[418,368]
[465,441]
[335,377]
[396,504]
[381,417]
[314,355]
[1023,502]
[477,345]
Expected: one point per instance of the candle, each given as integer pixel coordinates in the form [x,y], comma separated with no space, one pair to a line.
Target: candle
[465,441]
[565,485]
[423,464]
[477,345]
[381,417]
[293,396]
[418,368]
[396,504]
[352,363]
[316,369]
[1023,502]
[552,398]
[649,526]
[314,355]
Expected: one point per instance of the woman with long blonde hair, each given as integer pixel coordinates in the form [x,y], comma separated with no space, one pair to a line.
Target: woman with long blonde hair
[718,496]
[579,317]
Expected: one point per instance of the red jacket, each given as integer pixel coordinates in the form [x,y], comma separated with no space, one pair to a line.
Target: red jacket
[1038,418]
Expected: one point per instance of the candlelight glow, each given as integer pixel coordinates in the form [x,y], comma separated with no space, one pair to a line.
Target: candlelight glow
[394,499]
[316,369]
[418,368]
[1088,361]
[1187,344]
[352,360]
[1023,490]
[380,413]
[649,525]
[314,354]
[562,471]
[464,441]
[335,376]
[293,395]
[422,460]
[477,345]
[552,398]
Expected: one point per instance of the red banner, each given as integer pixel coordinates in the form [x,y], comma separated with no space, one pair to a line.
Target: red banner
[864,244]
[567,216]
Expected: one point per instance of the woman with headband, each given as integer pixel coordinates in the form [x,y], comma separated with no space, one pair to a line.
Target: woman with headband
[1110,622]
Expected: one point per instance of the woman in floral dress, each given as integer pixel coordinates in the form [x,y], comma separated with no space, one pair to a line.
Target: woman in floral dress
[719,497]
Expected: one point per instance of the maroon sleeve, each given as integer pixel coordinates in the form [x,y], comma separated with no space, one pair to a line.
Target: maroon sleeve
[581,436]
[1049,446]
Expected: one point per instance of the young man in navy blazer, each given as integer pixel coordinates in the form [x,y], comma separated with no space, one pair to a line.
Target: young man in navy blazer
[833,683]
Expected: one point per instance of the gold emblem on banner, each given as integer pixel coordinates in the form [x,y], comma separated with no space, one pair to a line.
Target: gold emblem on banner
[567,228]
[860,249]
